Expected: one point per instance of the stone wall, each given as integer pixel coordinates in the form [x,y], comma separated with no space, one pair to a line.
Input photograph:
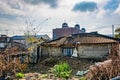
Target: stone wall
[93,51]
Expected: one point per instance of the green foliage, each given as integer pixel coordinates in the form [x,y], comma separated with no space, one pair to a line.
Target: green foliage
[83,78]
[44,76]
[62,70]
[117,30]
[20,75]
[117,36]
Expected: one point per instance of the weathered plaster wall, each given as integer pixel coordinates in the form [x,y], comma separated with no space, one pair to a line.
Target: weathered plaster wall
[84,51]
[119,50]
[55,51]
[44,51]
[51,51]
[33,54]
[93,51]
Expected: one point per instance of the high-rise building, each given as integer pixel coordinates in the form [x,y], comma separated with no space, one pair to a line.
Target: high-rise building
[67,31]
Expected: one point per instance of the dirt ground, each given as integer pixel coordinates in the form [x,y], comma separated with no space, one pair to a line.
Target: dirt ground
[42,69]
[44,65]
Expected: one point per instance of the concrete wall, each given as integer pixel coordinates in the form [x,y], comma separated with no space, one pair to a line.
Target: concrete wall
[55,51]
[93,51]
[84,51]
[33,54]
[119,50]
[51,51]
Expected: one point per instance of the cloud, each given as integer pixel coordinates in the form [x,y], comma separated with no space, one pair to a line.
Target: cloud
[13,4]
[117,11]
[7,16]
[15,12]
[52,3]
[112,5]
[85,6]
[13,26]
[101,13]
[11,9]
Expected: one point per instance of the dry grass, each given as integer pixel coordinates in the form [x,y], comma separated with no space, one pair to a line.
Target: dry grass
[107,69]
[9,65]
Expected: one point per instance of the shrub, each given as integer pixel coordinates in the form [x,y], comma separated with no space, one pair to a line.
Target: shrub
[10,65]
[62,70]
[83,78]
[20,75]
[44,76]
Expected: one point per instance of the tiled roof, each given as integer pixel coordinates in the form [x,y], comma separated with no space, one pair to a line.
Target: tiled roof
[56,42]
[93,40]
[84,38]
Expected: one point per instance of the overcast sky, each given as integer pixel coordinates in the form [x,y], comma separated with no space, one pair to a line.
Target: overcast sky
[45,15]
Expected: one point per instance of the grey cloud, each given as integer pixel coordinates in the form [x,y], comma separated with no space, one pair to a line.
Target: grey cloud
[85,6]
[10,9]
[52,3]
[8,16]
[14,5]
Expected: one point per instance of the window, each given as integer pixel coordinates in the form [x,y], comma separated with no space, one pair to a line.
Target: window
[8,39]
[67,51]
[2,45]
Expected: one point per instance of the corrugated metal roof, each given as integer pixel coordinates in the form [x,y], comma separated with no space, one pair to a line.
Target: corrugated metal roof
[18,37]
[37,36]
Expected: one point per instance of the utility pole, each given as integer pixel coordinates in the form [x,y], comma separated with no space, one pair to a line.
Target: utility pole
[112,30]
[6,31]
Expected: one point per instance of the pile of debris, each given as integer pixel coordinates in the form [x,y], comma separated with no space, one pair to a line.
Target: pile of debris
[104,70]
[45,64]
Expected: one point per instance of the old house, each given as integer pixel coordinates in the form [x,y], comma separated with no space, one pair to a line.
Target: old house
[31,43]
[19,39]
[15,52]
[88,45]
[12,49]
[35,48]
[5,42]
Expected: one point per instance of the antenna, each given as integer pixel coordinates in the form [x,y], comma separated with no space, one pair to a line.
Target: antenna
[64,20]
[112,30]
[6,31]
[40,27]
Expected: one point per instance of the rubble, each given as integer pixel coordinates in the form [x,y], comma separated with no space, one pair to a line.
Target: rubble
[104,70]
[81,73]
[116,78]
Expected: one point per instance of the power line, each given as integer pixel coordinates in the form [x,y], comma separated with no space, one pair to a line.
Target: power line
[45,32]
[112,28]
[101,27]
[41,23]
